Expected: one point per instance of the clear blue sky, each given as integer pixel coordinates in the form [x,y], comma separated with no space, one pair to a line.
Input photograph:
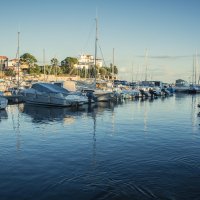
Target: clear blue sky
[168,29]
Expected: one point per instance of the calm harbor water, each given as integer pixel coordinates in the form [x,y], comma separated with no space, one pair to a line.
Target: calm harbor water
[132,150]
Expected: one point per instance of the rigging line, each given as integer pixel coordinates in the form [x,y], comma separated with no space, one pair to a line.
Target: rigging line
[102,55]
[89,36]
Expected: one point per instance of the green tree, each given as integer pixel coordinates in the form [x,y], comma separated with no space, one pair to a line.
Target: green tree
[83,73]
[68,64]
[58,70]
[54,63]
[28,59]
[10,72]
[31,61]
[115,69]
[93,72]
[35,70]
[103,71]
[48,69]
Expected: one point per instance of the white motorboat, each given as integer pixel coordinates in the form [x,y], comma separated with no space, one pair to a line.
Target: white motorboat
[52,95]
[103,95]
[181,86]
[194,88]
[95,93]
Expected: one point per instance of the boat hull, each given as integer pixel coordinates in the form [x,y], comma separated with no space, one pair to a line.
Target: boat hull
[3,103]
[103,95]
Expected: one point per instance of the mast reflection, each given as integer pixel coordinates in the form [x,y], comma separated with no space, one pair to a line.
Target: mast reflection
[41,114]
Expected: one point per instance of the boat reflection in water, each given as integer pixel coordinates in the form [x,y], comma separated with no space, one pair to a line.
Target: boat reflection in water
[3,115]
[42,114]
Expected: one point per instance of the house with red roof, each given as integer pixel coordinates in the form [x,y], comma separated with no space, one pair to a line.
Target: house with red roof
[3,62]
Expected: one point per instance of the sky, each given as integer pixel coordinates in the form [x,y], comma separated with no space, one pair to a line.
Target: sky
[162,35]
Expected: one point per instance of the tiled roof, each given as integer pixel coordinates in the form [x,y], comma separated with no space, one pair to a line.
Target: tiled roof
[3,57]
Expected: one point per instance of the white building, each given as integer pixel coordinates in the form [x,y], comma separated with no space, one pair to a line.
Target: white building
[13,63]
[88,61]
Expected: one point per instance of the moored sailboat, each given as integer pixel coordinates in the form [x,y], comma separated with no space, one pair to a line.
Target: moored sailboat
[101,95]
[14,93]
[194,86]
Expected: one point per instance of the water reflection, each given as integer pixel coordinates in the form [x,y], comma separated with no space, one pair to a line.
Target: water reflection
[41,114]
[3,115]
[180,96]
[194,99]
[82,161]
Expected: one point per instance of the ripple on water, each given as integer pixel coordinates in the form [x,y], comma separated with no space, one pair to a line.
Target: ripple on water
[133,150]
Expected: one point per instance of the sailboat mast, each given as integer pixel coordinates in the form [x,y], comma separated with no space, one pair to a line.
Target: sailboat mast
[195,69]
[113,71]
[132,73]
[95,56]
[18,60]
[197,65]
[44,62]
[146,64]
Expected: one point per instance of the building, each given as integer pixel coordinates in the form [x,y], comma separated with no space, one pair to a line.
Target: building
[3,62]
[88,61]
[13,63]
